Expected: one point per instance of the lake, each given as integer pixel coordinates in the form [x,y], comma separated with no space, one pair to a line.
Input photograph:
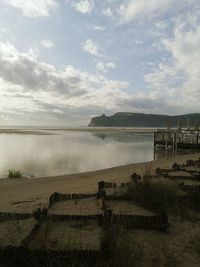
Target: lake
[66,152]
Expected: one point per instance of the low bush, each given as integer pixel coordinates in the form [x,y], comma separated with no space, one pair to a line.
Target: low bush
[157,196]
[14,174]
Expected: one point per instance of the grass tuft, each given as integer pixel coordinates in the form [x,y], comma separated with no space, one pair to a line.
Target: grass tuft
[14,174]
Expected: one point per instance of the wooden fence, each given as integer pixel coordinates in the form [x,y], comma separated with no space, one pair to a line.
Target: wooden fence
[5,216]
[159,222]
[189,187]
[56,197]
[102,185]
[95,217]
[24,257]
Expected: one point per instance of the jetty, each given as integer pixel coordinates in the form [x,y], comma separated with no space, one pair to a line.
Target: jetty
[177,139]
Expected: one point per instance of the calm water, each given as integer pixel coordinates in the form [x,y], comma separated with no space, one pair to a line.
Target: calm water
[67,152]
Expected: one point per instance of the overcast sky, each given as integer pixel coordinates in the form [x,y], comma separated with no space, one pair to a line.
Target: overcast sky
[65,61]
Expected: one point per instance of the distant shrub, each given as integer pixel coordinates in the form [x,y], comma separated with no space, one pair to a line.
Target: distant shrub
[14,174]
[156,196]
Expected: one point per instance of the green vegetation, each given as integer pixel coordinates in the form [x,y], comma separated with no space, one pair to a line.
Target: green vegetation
[125,119]
[14,174]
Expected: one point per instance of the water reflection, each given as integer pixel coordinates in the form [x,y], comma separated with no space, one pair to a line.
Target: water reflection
[124,137]
[71,152]
[166,154]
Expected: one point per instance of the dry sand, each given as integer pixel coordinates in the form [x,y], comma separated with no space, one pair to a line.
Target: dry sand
[29,194]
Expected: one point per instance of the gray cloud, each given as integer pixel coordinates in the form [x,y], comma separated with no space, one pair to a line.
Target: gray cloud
[26,71]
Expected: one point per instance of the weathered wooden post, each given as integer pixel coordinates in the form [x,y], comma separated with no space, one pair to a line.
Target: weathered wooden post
[101,186]
[164,221]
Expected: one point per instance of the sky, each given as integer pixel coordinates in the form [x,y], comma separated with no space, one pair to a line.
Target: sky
[65,61]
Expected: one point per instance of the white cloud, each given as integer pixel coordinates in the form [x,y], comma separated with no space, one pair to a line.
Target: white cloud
[99,28]
[161,25]
[107,12]
[104,67]
[179,76]
[138,42]
[34,8]
[47,43]
[92,48]
[137,8]
[83,6]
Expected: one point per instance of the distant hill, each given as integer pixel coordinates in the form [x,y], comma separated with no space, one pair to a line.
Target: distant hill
[125,119]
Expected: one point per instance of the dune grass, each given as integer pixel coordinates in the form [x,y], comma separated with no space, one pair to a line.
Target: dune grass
[14,173]
[154,195]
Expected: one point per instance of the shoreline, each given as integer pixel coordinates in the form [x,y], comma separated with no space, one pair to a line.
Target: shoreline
[23,131]
[49,130]
[25,195]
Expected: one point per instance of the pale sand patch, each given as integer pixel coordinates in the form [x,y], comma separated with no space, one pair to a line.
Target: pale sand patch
[38,190]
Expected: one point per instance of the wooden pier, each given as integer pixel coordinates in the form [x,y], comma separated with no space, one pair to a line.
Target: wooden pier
[177,139]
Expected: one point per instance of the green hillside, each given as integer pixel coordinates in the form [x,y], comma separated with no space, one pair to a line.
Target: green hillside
[125,119]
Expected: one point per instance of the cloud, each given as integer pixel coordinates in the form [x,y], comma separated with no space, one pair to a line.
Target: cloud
[36,90]
[92,48]
[138,42]
[34,8]
[178,78]
[141,9]
[99,28]
[26,71]
[104,67]
[83,6]
[107,12]
[47,43]
[161,25]
[133,9]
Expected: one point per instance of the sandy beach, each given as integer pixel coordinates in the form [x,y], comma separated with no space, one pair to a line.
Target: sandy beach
[28,194]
